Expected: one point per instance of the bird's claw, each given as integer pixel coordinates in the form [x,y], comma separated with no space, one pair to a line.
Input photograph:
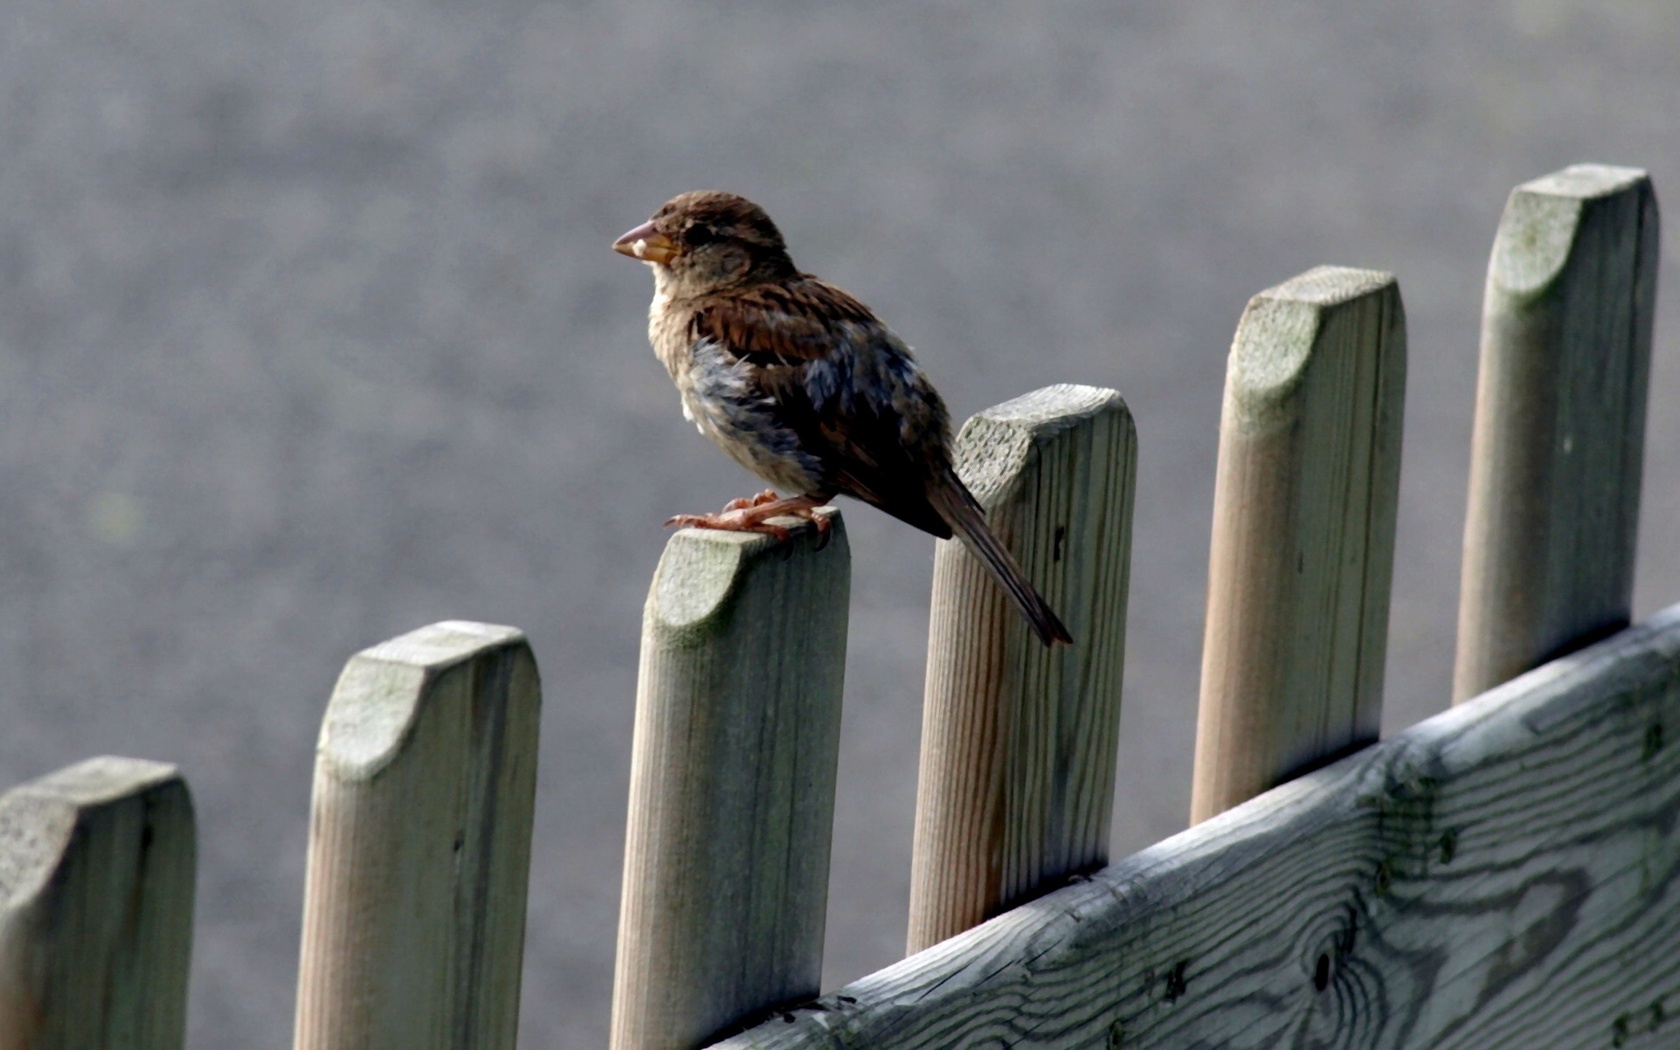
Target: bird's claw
[825,527]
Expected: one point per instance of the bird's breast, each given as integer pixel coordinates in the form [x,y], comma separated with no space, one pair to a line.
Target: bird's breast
[668,333]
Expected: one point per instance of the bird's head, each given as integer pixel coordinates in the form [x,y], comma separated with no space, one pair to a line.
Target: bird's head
[706,241]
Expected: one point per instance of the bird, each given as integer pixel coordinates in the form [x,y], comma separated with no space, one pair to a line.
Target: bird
[801,383]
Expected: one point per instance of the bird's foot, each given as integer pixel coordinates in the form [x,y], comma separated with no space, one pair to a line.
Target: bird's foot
[754,515]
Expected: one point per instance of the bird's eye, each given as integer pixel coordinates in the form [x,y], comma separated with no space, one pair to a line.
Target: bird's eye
[699,236]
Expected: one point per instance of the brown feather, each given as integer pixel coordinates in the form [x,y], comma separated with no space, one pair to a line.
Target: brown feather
[953,501]
[779,324]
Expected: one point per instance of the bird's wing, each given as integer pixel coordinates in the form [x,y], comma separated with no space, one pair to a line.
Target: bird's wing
[845,384]
[780,325]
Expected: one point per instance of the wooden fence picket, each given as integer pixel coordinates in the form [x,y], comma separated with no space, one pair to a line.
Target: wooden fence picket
[1018,741]
[1559,443]
[1303,533]
[96,908]
[420,845]
[732,778]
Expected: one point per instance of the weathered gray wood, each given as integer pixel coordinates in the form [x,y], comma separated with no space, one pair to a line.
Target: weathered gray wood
[420,844]
[96,908]
[1506,874]
[1018,740]
[1559,440]
[731,783]
[1303,533]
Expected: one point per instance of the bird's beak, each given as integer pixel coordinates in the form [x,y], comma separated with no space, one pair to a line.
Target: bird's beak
[647,244]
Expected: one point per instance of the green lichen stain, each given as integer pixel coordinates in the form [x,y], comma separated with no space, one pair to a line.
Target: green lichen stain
[1653,742]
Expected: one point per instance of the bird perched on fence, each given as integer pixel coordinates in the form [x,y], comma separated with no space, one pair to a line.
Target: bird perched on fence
[803,386]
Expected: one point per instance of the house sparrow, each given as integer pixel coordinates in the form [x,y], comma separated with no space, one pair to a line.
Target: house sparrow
[803,386]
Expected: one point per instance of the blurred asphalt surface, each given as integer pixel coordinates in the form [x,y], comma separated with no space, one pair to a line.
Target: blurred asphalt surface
[310,335]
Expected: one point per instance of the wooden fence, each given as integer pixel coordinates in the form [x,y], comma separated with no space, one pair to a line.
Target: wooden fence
[1506,874]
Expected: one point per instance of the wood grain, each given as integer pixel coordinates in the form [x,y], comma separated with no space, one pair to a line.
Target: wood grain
[731,783]
[420,844]
[1506,874]
[1303,533]
[1018,740]
[96,908]
[1552,523]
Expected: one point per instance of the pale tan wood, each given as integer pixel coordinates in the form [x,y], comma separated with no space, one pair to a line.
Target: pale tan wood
[1303,533]
[1559,439]
[96,908]
[1018,740]
[420,844]
[1503,875]
[731,783]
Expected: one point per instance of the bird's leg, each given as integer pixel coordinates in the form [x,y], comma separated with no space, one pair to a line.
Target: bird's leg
[756,515]
[804,507]
[751,501]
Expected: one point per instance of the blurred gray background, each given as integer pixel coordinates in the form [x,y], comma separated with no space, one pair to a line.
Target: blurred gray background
[310,335]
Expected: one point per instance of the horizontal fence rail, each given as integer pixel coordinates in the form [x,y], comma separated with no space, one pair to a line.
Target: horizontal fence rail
[1505,874]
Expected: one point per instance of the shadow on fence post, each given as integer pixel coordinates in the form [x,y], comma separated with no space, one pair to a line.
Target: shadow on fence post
[1553,515]
[1016,786]
[731,784]
[1303,533]
[96,907]
[420,844]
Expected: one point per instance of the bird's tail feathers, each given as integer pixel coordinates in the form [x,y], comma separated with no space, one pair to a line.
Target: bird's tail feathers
[962,512]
